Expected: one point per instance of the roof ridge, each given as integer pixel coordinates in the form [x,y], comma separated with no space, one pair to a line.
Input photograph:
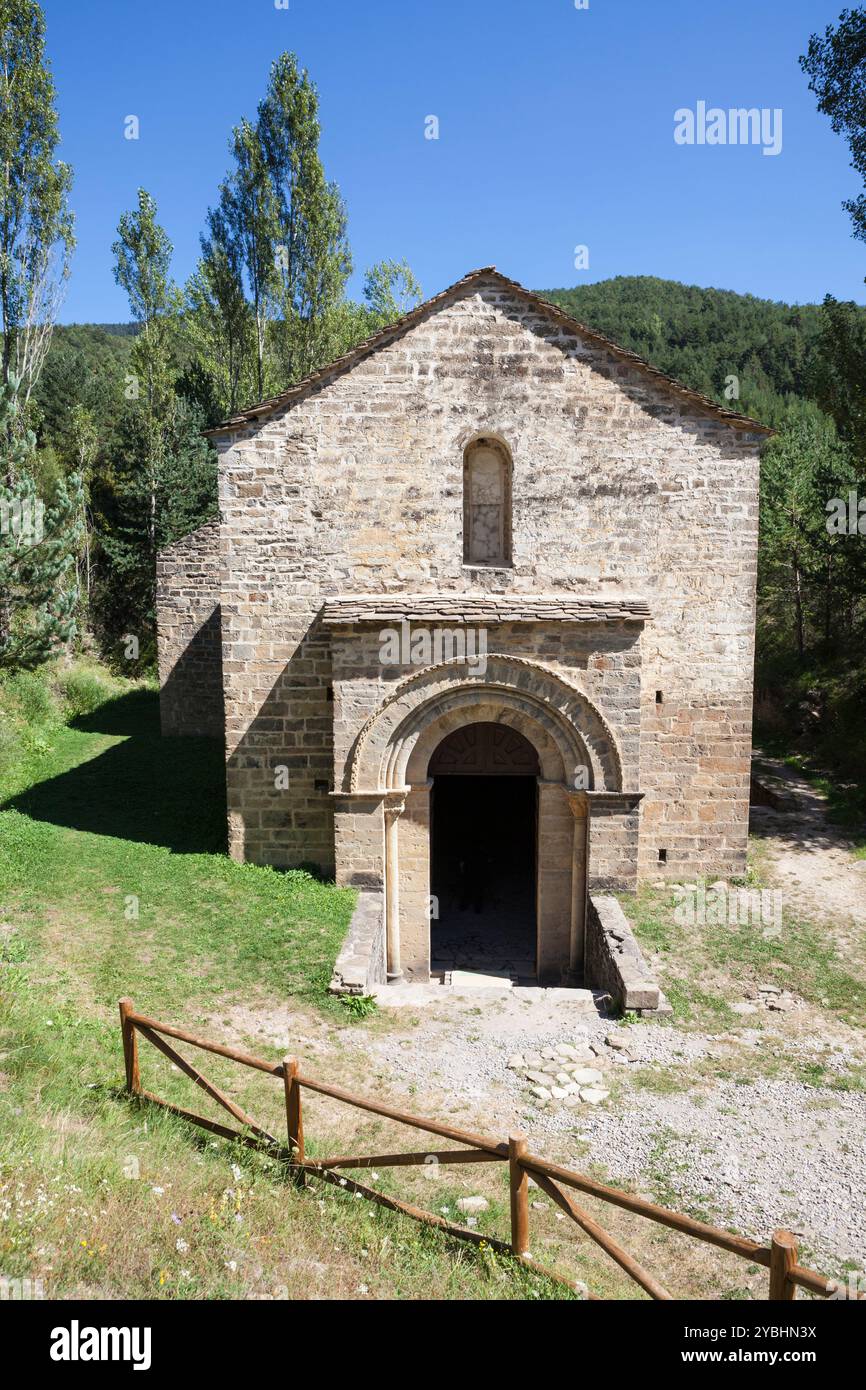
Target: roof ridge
[388,332]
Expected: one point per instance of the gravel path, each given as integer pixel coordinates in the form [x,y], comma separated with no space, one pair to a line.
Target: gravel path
[732,1125]
[753,1152]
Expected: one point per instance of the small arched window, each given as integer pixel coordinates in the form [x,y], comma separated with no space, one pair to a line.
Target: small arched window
[486,504]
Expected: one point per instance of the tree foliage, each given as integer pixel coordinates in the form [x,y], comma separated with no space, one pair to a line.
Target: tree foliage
[38,541]
[390,290]
[267,300]
[835,63]
[36,226]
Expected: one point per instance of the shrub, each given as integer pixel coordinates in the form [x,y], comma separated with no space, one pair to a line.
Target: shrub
[29,695]
[84,690]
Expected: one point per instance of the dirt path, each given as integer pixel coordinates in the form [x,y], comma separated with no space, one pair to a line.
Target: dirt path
[808,857]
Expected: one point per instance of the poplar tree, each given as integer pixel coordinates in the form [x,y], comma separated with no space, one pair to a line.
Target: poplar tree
[142,268]
[247,217]
[219,325]
[312,253]
[36,226]
[279,232]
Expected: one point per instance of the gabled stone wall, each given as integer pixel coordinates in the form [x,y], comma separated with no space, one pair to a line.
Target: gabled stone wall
[189,635]
[619,486]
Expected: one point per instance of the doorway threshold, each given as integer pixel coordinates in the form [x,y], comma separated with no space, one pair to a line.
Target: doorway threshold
[464,986]
[477,979]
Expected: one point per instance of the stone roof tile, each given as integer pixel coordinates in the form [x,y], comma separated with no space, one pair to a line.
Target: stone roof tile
[487,608]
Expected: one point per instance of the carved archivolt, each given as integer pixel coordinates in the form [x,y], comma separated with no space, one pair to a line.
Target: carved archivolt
[569,733]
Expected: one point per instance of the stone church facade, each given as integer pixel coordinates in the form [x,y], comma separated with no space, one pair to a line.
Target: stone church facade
[487,543]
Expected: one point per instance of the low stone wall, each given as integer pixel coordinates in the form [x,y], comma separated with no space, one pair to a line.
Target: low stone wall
[765,793]
[189,635]
[614,962]
[361,963]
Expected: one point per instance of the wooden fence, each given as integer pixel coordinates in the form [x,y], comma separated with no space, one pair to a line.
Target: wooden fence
[779,1257]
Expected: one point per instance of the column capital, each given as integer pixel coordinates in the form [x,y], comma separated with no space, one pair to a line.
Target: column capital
[394,803]
[578,804]
[380,794]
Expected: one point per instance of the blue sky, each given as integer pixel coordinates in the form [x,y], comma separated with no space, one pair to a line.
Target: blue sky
[556,130]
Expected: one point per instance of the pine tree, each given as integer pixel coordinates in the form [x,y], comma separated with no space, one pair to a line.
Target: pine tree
[38,545]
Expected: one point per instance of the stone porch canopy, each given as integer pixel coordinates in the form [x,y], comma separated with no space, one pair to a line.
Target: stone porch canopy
[483,608]
[426,701]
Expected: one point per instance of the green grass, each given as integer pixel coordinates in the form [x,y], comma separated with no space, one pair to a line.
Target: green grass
[113,882]
[705,967]
[114,852]
[103,1197]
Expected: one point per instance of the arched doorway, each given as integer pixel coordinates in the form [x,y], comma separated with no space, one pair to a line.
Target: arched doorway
[382,819]
[483,853]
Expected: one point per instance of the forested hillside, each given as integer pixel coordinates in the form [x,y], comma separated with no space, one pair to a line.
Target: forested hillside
[703,337]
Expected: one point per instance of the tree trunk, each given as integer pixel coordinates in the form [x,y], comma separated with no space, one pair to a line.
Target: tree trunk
[798,606]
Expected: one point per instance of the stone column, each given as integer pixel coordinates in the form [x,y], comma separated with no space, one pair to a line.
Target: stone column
[415,918]
[394,806]
[554,902]
[579,805]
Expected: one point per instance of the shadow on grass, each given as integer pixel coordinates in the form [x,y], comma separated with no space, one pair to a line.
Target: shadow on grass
[148,789]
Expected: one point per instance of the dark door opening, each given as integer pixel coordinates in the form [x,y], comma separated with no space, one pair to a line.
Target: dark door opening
[483,837]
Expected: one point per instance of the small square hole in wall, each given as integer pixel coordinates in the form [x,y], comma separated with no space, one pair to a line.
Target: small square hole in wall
[321,786]
[663,856]
[659,697]
[330,694]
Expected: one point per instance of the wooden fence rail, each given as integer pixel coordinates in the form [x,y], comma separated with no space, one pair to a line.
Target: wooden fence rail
[779,1256]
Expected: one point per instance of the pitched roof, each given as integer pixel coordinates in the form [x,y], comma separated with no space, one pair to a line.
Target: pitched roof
[386,335]
[480,609]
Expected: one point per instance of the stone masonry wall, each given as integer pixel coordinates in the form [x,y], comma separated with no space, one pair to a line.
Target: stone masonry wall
[601,659]
[189,638]
[619,486]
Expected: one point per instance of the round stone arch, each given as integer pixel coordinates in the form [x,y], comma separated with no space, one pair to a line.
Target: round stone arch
[391,758]
[410,757]
[568,731]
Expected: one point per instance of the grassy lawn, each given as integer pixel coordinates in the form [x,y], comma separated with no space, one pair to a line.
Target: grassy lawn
[704,968]
[111,861]
[113,882]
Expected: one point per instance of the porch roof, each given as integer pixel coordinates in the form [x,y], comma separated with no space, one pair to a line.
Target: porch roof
[484,609]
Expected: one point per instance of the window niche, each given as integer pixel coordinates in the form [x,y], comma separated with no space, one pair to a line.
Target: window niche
[486,503]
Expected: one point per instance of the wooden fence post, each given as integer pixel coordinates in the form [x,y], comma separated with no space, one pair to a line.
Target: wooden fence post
[519,1180]
[130,1048]
[783,1256]
[294,1114]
